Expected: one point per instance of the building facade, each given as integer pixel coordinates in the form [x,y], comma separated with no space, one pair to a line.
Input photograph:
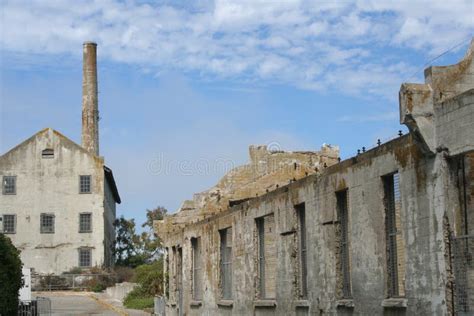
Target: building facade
[58,198]
[389,231]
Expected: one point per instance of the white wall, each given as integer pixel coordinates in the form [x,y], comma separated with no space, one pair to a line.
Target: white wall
[52,186]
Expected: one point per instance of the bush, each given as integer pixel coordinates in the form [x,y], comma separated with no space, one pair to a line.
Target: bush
[138,298]
[53,282]
[124,274]
[150,277]
[100,283]
[150,283]
[139,302]
[75,270]
[11,278]
[98,287]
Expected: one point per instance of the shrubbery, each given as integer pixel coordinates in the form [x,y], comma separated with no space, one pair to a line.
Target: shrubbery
[124,274]
[150,283]
[10,276]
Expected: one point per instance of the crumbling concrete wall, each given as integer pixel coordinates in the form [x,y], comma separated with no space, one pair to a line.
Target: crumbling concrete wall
[361,176]
[427,108]
[266,171]
[435,167]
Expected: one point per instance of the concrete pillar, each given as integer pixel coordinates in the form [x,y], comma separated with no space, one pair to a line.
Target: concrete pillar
[90,107]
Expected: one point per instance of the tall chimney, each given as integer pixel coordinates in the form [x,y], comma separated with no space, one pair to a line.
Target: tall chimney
[90,107]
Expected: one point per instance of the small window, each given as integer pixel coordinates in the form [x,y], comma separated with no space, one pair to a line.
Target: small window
[85,222]
[85,184]
[9,224]
[9,184]
[85,257]
[48,153]
[47,223]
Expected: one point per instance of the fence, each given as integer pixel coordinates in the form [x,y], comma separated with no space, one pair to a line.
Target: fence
[41,306]
[463,265]
[72,282]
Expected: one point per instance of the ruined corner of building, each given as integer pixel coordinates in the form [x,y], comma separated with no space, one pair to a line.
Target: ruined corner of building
[420,102]
[267,170]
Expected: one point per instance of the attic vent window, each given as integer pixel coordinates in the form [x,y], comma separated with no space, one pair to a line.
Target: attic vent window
[47,153]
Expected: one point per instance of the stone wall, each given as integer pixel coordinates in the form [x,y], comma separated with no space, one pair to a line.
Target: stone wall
[361,176]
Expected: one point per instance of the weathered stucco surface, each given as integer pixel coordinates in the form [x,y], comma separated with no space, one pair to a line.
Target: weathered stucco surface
[436,180]
[51,185]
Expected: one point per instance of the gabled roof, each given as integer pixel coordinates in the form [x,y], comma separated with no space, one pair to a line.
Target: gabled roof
[43,131]
[109,177]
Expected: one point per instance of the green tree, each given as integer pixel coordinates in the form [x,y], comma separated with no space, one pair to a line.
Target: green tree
[11,279]
[133,249]
[152,244]
[128,246]
[150,283]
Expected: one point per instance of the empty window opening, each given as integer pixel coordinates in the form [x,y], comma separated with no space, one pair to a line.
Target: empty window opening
[179,279]
[9,184]
[85,257]
[394,239]
[303,265]
[267,257]
[197,268]
[343,262]
[85,184]
[226,263]
[174,275]
[85,222]
[466,190]
[9,224]
[47,223]
[167,272]
[48,153]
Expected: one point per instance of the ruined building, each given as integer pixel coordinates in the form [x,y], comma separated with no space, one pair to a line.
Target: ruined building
[58,198]
[389,231]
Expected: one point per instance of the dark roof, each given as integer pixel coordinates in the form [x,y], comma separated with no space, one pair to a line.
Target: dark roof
[109,176]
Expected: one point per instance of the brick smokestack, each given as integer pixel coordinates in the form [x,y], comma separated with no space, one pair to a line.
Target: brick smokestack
[90,106]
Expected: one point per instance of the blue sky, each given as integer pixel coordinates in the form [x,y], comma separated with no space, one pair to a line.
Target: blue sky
[186,87]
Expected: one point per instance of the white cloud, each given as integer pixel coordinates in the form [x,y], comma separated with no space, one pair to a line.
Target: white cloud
[310,45]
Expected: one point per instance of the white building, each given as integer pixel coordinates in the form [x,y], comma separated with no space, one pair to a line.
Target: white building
[58,198]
